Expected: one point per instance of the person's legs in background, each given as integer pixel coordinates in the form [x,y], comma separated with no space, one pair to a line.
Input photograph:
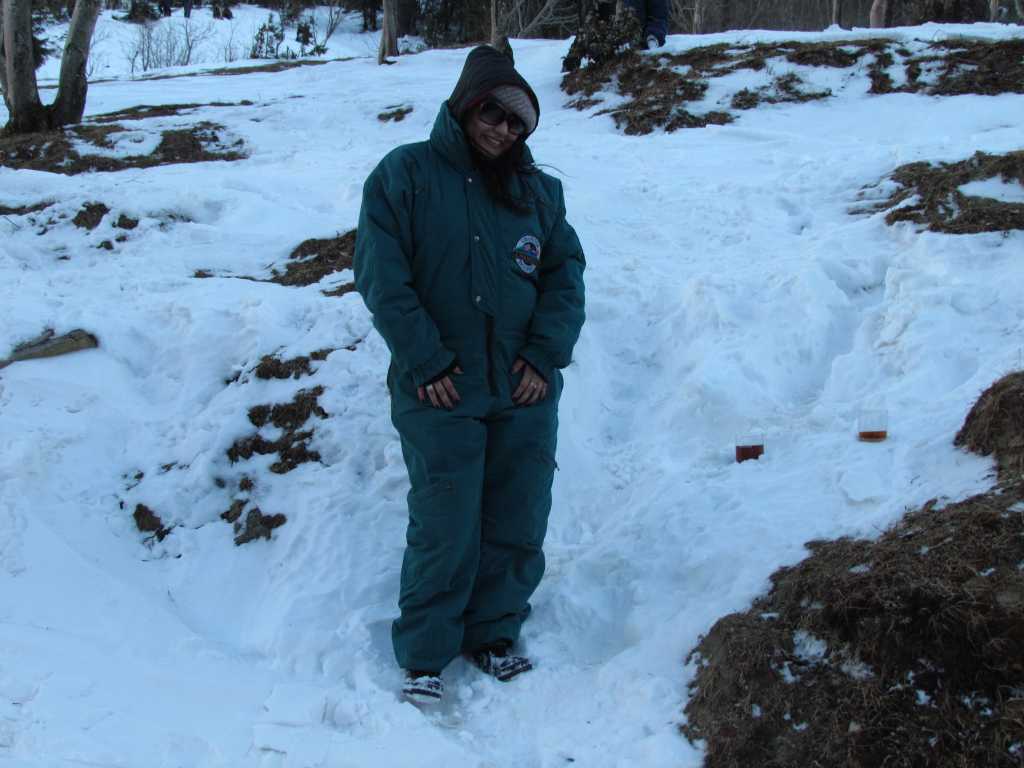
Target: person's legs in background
[653,16]
[657,20]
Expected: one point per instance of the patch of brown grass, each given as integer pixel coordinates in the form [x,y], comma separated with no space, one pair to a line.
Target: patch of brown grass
[938,204]
[271,367]
[904,651]
[53,152]
[658,88]
[395,113]
[24,210]
[995,425]
[980,66]
[313,260]
[292,447]
[147,521]
[90,216]
[656,95]
[255,526]
[146,111]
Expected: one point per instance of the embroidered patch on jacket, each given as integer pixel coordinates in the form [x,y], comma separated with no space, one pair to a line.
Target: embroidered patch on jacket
[527,253]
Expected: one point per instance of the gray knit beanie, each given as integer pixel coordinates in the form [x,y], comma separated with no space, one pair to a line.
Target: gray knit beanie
[516,101]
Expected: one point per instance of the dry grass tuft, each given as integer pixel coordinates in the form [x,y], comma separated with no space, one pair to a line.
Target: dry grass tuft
[995,425]
[936,202]
[314,259]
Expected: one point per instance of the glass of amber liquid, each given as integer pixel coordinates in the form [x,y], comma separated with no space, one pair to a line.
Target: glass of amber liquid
[749,446]
[873,425]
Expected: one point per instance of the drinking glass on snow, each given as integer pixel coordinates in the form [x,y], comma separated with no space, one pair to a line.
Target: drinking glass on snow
[873,425]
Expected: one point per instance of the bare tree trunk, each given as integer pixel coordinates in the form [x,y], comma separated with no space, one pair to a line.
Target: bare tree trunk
[3,62]
[879,8]
[726,15]
[388,33]
[27,114]
[837,12]
[698,16]
[74,85]
[993,10]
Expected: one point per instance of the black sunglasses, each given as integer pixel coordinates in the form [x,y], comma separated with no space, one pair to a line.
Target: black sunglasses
[492,113]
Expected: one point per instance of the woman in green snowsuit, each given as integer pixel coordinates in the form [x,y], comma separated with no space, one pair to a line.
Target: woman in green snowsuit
[475,281]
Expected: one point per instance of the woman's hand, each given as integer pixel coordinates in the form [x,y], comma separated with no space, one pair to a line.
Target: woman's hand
[532,386]
[442,393]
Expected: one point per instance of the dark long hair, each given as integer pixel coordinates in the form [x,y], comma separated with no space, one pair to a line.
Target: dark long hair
[500,172]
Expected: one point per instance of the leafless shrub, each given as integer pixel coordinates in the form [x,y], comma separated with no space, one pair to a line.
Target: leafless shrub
[167,44]
[334,13]
[231,49]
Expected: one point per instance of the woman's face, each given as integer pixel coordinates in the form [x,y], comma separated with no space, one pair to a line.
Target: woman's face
[491,134]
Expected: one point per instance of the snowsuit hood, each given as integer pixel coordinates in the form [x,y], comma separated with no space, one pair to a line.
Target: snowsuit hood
[487,69]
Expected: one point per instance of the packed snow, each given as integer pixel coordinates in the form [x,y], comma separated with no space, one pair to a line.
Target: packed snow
[729,290]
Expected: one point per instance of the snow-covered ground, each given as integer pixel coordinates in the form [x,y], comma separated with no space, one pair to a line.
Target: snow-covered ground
[729,290]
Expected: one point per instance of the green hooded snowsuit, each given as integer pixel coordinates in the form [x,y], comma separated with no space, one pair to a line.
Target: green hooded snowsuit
[450,274]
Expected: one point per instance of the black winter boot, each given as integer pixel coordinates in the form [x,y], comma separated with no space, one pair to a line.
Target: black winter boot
[423,687]
[495,660]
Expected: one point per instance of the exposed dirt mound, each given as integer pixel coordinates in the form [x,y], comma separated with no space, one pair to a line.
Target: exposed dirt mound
[995,425]
[937,202]
[659,88]
[292,447]
[67,152]
[905,651]
[312,260]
